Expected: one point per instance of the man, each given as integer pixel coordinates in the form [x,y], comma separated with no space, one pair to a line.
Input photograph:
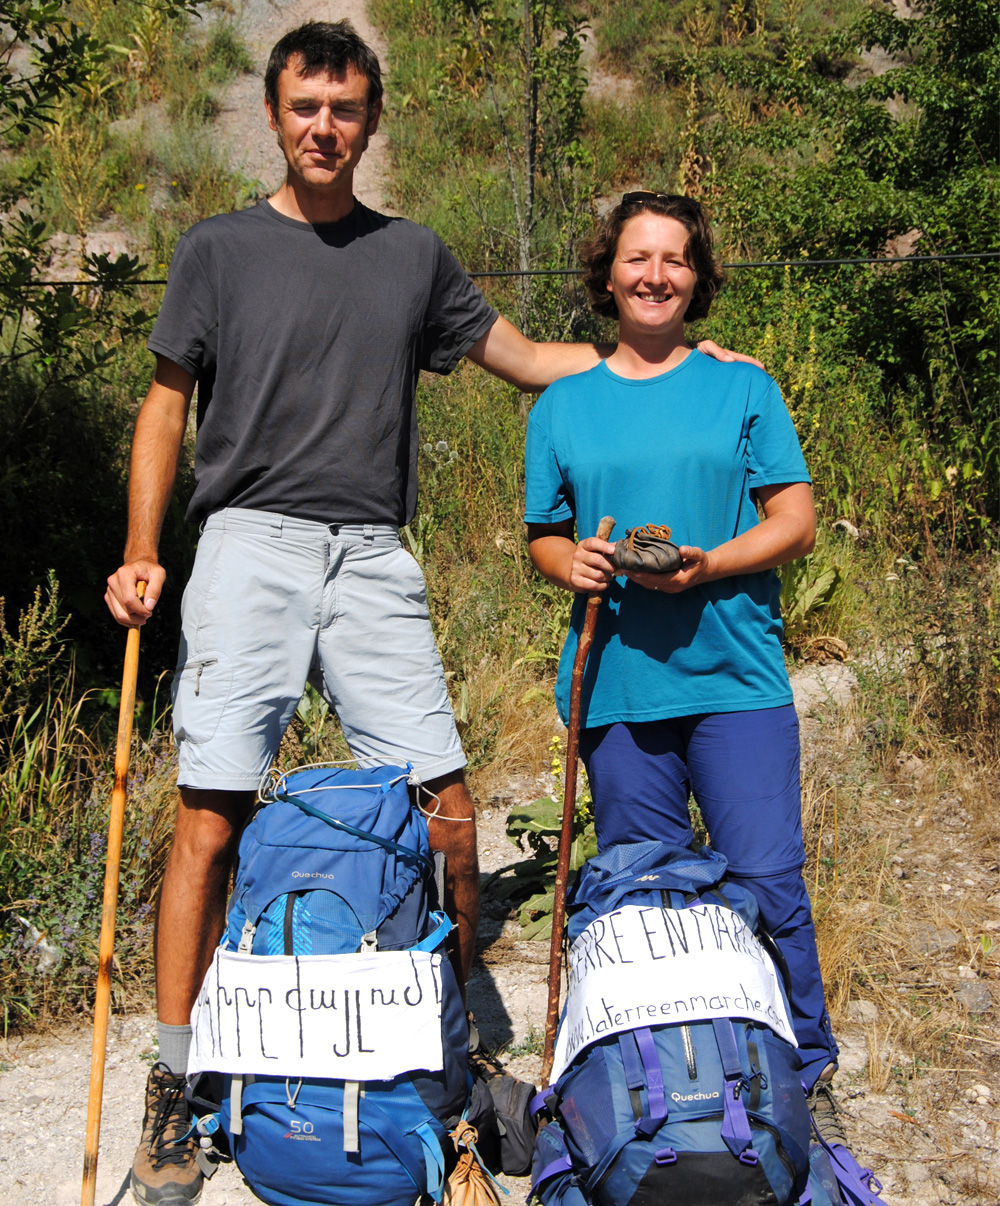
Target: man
[304,322]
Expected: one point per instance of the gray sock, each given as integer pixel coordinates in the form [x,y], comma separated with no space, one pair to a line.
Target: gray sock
[175,1043]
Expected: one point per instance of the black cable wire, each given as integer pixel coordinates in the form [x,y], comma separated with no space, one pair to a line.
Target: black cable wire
[884,259]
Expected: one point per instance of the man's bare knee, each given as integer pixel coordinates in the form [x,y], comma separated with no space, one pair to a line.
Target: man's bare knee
[452,822]
[208,825]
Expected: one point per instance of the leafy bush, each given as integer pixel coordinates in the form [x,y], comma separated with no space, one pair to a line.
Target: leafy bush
[539,826]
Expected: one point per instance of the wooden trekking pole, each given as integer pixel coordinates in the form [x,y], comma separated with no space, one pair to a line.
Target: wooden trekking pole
[604,529]
[102,997]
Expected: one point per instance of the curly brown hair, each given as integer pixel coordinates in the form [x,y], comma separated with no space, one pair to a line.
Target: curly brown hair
[598,253]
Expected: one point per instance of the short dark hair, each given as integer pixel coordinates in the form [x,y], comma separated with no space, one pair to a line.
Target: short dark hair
[598,253]
[327,46]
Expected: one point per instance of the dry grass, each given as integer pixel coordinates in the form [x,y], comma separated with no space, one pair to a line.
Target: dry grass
[525,718]
[900,851]
[55,789]
[902,838]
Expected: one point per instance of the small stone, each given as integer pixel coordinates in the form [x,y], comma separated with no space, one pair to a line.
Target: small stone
[33,1100]
[966,973]
[910,766]
[975,996]
[983,1094]
[863,1013]
[945,887]
[934,940]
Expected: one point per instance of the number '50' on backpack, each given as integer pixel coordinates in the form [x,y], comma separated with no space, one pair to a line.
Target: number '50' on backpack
[676,1075]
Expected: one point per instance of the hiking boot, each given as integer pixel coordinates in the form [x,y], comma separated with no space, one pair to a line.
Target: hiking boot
[507,1127]
[481,1058]
[165,1171]
[826,1114]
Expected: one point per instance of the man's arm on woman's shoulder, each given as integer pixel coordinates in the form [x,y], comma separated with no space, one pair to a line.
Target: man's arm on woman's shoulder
[506,353]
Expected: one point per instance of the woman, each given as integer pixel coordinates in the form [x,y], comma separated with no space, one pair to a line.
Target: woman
[685,688]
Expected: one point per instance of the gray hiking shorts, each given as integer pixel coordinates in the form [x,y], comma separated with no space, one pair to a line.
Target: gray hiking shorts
[273,602]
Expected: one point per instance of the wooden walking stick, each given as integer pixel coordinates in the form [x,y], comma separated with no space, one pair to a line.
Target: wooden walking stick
[604,529]
[102,997]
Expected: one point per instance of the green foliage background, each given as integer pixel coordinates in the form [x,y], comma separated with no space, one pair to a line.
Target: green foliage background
[813,129]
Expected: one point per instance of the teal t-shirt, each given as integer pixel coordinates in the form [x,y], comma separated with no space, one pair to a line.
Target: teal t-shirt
[684,449]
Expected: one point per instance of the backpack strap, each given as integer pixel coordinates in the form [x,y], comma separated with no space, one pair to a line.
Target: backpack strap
[858,1186]
[443,926]
[625,1136]
[236,1104]
[735,1131]
[641,1065]
[656,1094]
[554,1168]
[352,1096]
[635,1079]
[546,1099]
[427,1177]
[433,1159]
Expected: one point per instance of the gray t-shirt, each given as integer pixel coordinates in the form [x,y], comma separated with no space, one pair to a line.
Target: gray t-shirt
[307,342]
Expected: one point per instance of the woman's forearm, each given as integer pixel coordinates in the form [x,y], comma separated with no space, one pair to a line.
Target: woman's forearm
[780,537]
[787,531]
[552,556]
[584,566]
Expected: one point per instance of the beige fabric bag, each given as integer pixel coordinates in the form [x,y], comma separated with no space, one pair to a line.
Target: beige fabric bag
[469,1184]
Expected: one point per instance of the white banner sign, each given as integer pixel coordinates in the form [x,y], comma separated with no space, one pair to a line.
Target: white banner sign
[366,1016]
[653,966]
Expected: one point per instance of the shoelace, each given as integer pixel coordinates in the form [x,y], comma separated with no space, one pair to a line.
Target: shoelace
[171,1111]
[649,531]
[823,1105]
[486,1060]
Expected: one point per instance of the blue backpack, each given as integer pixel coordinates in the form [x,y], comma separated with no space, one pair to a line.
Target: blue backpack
[335,861]
[695,1113]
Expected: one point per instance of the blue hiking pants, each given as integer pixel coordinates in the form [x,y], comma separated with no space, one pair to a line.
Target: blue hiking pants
[743,770]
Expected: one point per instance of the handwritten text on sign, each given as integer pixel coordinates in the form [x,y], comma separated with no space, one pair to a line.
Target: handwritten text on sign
[652,966]
[350,1017]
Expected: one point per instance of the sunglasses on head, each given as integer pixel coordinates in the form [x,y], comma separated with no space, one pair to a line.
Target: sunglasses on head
[643,198]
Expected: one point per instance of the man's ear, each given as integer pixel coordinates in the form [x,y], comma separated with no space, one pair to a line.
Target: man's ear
[270,115]
[374,113]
